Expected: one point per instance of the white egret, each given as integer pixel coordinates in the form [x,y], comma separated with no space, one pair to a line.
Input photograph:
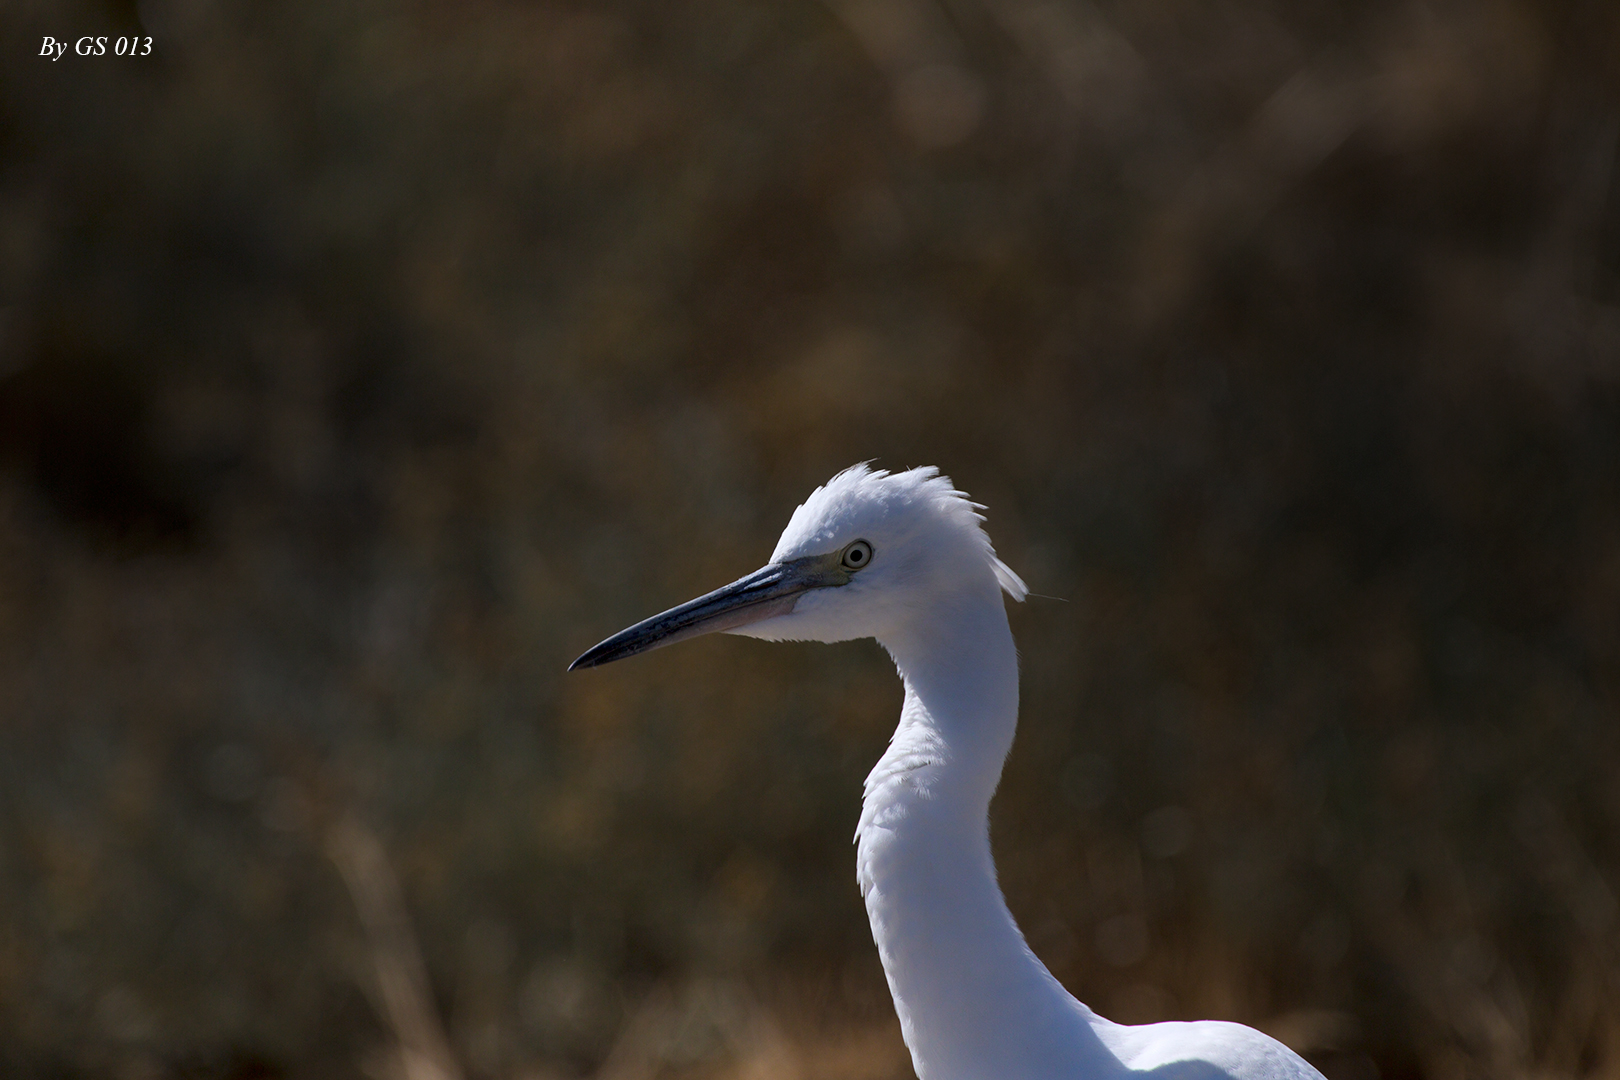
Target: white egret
[903,558]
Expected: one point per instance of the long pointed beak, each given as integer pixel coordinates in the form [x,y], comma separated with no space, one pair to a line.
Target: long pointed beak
[771,590]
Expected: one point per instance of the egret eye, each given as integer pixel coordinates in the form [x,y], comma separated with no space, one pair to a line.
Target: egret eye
[857,555]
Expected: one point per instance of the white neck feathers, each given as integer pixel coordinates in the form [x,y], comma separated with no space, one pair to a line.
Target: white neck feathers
[973,1001]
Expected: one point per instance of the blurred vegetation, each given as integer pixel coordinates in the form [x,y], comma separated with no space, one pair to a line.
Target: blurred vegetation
[362,363]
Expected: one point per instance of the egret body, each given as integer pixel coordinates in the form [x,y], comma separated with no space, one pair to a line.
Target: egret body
[903,558]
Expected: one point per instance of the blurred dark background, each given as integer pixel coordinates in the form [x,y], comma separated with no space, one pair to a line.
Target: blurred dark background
[362,363]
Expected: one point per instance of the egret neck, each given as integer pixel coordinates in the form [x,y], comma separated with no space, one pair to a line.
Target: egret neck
[974,1001]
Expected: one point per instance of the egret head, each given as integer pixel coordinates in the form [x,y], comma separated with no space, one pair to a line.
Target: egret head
[865,554]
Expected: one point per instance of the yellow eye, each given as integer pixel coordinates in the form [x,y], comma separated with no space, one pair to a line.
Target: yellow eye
[857,555]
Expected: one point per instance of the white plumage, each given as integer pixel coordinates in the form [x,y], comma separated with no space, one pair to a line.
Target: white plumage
[903,558]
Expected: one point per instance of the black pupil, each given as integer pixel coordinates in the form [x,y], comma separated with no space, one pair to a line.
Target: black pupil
[856,555]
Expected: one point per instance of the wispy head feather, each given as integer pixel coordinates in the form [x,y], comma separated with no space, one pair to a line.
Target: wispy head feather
[862,499]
